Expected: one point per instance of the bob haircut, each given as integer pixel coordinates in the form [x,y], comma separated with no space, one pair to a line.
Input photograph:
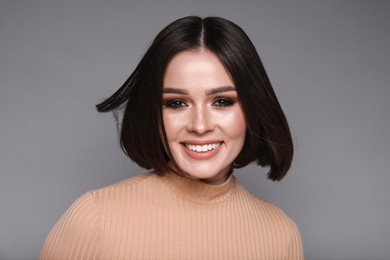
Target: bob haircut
[142,135]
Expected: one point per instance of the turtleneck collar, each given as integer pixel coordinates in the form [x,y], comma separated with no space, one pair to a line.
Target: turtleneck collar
[200,192]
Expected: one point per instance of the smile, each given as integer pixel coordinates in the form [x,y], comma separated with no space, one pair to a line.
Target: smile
[202,148]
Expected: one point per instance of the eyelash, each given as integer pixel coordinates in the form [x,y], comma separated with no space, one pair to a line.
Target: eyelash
[175,103]
[223,102]
[218,102]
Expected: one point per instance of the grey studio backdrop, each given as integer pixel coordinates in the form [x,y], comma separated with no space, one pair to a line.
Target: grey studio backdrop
[328,62]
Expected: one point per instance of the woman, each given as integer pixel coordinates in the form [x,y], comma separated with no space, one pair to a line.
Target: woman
[198,105]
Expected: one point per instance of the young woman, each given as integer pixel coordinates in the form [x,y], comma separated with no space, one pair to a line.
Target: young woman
[198,105]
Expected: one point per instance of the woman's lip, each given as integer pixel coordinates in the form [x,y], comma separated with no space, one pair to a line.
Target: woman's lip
[201,142]
[202,155]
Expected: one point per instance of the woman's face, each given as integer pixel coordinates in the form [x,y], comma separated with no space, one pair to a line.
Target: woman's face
[203,118]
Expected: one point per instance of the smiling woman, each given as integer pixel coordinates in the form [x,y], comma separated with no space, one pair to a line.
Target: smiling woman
[203,118]
[211,108]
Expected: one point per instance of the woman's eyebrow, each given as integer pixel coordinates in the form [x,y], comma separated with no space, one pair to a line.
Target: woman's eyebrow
[209,92]
[176,91]
[213,91]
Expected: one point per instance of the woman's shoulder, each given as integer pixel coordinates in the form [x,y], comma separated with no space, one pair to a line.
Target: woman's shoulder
[272,218]
[129,182]
[126,186]
[264,209]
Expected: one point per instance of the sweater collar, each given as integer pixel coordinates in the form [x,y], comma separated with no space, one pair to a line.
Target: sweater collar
[200,192]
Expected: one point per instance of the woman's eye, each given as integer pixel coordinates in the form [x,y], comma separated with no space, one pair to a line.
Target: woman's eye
[175,104]
[223,102]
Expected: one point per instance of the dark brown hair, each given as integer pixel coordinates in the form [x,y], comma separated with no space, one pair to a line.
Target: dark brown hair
[268,139]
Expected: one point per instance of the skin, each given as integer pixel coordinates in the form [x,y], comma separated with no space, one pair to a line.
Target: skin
[202,112]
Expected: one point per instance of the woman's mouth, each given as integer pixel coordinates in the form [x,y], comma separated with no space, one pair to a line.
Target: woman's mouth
[202,148]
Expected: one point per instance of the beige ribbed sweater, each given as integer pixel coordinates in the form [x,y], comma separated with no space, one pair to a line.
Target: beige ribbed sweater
[170,217]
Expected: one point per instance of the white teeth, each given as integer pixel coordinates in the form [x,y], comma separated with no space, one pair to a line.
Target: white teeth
[202,148]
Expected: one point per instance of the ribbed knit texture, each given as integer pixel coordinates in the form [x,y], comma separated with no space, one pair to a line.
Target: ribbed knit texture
[170,217]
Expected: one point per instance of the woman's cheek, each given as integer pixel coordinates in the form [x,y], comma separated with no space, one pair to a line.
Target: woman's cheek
[232,123]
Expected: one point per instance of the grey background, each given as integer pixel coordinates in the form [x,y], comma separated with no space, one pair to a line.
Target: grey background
[329,64]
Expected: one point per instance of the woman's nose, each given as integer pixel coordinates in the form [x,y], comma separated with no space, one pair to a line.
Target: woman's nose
[201,121]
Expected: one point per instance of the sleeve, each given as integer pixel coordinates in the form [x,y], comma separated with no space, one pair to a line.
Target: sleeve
[295,250]
[76,234]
